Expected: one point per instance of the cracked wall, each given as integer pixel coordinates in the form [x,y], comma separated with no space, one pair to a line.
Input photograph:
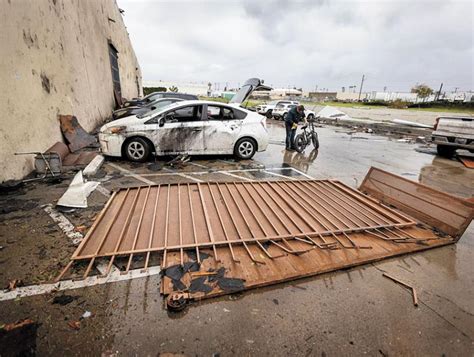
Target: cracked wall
[55,60]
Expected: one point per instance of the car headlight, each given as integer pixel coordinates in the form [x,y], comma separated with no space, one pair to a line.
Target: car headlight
[114,129]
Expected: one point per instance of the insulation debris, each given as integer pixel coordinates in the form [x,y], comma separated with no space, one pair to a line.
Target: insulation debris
[77,193]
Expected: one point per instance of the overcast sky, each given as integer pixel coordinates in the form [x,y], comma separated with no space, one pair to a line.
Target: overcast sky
[305,43]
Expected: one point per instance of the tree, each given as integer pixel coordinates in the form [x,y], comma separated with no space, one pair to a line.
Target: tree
[422,90]
[173,89]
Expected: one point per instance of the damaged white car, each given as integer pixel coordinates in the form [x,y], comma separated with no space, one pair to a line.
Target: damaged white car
[192,127]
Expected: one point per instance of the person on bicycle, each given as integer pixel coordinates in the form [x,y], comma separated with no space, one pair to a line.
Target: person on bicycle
[294,116]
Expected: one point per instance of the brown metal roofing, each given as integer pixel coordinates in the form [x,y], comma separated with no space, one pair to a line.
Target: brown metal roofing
[166,218]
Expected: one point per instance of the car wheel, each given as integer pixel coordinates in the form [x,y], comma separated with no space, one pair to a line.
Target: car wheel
[137,149]
[311,117]
[284,116]
[445,150]
[245,149]
[269,114]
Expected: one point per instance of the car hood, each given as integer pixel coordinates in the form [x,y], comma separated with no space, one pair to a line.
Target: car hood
[130,120]
[250,85]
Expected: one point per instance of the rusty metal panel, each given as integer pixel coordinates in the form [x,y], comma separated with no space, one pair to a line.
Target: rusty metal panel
[440,210]
[194,216]
[242,235]
[75,135]
[288,266]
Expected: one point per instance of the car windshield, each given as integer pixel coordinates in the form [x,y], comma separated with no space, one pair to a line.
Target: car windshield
[158,108]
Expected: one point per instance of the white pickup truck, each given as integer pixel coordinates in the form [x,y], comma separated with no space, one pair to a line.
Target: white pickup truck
[452,133]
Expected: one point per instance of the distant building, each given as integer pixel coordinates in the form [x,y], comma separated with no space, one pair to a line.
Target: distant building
[59,57]
[287,93]
[196,88]
[322,96]
[222,94]
[350,96]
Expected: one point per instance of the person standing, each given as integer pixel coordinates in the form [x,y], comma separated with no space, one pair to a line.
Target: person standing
[294,116]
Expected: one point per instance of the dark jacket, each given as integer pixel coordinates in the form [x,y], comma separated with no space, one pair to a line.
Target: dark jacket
[293,116]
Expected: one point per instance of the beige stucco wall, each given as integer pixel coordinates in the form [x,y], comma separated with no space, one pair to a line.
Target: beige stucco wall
[54,60]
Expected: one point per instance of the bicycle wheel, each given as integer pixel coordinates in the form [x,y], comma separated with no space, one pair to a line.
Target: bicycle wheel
[315,140]
[300,143]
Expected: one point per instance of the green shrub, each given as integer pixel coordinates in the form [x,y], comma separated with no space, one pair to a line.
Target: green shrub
[398,104]
[148,90]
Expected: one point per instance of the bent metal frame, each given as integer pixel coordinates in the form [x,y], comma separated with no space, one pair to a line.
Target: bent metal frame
[159,219]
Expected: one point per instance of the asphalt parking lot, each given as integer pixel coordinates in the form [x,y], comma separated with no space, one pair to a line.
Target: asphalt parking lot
[355,311]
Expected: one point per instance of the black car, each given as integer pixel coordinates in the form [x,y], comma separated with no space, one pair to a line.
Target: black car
[140,102]
[135,110]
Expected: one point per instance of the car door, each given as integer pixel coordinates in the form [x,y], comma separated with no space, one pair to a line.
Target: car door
[222,125]
[179,131]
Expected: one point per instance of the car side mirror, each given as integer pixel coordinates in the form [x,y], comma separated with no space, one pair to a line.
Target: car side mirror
[161,122]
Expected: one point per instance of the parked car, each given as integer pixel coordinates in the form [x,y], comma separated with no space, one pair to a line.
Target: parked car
[452,133]
[267,109]
[281,111]
[189,127]
[140,102]
[156,104]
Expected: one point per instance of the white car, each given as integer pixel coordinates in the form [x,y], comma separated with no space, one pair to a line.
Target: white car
[267,109]
[281,111]
[193,127]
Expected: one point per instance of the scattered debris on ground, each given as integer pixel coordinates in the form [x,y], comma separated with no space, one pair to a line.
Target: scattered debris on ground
[468,161]
[13,284]
[409,287]
[64,299]
[179,161]
[77,193]
[19,338]
[75,135]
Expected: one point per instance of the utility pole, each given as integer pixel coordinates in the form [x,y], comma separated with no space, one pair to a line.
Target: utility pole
[439,92]
[361,84]
[456,89]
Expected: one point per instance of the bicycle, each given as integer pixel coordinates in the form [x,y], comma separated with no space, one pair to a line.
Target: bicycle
[303,139]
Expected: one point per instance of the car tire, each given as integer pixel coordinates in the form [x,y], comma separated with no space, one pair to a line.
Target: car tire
[445,150]
[284,116]
[137,150]
[315,140]
[245,149]
[300,143]
[269,114]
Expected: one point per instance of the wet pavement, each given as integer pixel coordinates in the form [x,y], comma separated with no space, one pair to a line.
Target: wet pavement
[351,312]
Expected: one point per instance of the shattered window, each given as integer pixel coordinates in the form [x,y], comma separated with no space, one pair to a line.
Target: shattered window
[185,114]
[215,112]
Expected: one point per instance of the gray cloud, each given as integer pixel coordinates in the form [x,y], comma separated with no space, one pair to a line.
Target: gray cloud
[305,43]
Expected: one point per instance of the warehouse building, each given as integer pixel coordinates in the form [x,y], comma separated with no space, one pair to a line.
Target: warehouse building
[59,57]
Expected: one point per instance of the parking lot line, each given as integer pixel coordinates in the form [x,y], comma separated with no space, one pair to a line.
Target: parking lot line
[299,172]
[199,165]
[230,174]
[113,277]
[279,175]
[132,174]
[64,224]
[103,190]
[215,171]
[183,175]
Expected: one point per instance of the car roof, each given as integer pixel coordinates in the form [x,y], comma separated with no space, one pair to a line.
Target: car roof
[184,103]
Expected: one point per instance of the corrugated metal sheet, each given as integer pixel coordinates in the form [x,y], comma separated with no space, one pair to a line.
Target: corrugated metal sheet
[193,216]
